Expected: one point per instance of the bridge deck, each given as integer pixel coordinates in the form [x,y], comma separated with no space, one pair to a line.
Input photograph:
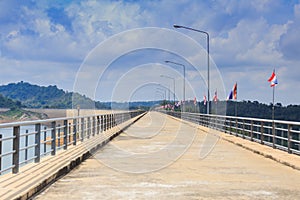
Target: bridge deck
[150,160]
[35,176]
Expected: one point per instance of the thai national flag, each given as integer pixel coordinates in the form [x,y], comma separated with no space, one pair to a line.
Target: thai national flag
[233,93]
[204,100]
[273,79]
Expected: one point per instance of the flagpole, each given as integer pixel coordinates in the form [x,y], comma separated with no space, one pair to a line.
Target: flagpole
[273,108]
[236,102]
[273,84]
[216,101]
[273,116]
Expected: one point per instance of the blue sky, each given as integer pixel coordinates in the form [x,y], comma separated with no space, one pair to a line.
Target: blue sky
[47,42]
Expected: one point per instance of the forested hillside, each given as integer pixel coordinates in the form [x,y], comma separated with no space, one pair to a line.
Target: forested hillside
[34,96]
[8,103]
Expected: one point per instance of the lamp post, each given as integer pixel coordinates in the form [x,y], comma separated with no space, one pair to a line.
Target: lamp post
[207,36]
[167,61]
[164,92]
[173,85]
[161,94]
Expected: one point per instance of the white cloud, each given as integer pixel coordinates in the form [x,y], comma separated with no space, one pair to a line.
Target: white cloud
[249,36]
[289,42]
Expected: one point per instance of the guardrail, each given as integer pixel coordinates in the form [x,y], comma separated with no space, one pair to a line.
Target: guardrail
[284,135]
[25,142]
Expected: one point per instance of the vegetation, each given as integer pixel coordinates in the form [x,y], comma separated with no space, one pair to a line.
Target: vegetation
[34,96]
[249,109]
[8,103]
[22,94]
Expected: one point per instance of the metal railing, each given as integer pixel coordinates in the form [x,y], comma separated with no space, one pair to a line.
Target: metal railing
[284,135]
[25,142]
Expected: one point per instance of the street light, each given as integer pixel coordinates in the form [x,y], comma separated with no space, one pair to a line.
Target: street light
[162,96]
[167,61]
[207,36]
[173,85]
[161,90]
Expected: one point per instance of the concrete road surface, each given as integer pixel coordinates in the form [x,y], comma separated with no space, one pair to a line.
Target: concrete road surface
[159,158]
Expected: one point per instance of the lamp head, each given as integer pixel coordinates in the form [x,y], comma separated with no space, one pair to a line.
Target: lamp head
[176,26]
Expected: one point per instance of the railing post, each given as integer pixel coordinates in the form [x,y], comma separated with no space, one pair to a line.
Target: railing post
[0,153]
[105,120]
[65,134]
[37,151]
[109,121]
[94,125]
[101,123]
[113,120]
[289,138]
[45,138]
[70,133]
[82,129]
[88,127]
[230,126]
[236,127]
[58,135]
[98,125]
[273,133]
[26,145]
[74,131]
[243,129]
[53,137]
[262,133]
[251,130]
[16,147]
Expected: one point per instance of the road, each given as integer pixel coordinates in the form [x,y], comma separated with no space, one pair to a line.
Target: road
[158,157]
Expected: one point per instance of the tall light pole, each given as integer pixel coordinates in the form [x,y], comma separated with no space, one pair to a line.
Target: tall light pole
[207,36]
[163,89]
[173,85]
[162,95]
[167,61]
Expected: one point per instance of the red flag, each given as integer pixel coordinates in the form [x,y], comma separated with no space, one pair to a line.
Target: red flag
[233,93]
[273,79]
[195,101]
[204,100]
[215,97]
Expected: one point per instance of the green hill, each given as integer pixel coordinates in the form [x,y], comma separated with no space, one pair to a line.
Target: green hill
[34,96]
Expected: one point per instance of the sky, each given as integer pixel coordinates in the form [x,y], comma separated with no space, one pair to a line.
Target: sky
[115,50]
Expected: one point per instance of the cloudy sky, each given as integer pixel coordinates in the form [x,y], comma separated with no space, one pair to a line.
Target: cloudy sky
[57,42]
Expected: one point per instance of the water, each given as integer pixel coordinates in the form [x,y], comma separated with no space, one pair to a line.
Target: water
[7,145]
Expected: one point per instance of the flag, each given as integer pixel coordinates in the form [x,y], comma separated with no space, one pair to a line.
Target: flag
[195,101]
[204,100]
[233,93]
[273,79]
[215,97]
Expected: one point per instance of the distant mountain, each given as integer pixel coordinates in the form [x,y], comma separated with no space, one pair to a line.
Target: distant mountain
[34,96]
